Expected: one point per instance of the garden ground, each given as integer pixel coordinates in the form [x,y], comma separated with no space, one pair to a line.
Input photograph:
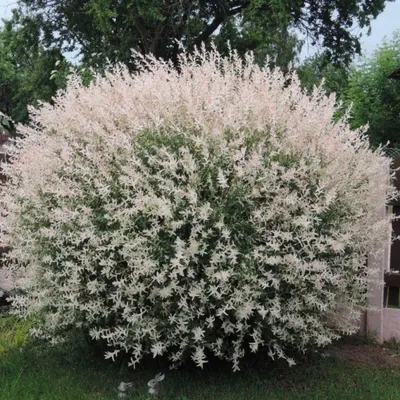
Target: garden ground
[348,370]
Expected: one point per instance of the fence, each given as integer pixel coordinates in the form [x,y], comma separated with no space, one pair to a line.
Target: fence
[385,298]
[392,273]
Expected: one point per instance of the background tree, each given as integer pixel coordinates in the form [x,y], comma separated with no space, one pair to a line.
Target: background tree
[26,70]
[317,69]
[375,98]
[110,28]
[281,45]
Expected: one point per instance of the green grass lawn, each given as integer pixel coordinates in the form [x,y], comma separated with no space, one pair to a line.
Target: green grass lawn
[40,372]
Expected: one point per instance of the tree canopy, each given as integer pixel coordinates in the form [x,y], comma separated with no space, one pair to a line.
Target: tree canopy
[317,70]
[101,29]
[40,32]
[375,98]
[25,70]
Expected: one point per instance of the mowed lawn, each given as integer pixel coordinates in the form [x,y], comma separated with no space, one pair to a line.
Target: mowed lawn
[37,371]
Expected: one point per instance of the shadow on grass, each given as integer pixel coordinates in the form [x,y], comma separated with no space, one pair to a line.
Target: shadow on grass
[73,371]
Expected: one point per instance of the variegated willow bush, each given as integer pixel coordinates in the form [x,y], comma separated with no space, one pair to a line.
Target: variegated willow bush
[218,209]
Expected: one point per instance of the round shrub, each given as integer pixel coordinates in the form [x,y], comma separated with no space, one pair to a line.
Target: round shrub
[218,209]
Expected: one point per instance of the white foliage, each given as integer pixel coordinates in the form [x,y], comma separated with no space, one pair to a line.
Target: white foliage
[217,209]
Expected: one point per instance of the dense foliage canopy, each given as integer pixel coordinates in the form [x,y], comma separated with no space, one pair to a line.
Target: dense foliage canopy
[215,209]
[109,28]
[25,70]
[374,97]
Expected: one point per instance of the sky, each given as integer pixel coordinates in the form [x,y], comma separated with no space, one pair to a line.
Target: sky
[384,25]
[5,7]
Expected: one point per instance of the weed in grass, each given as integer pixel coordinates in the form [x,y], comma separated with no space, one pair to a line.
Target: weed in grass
[393,347]
[13,332]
